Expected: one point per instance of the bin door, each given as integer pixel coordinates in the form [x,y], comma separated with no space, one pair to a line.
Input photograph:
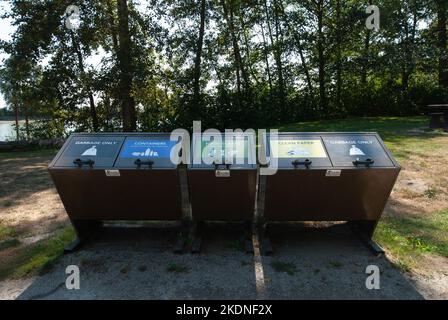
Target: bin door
[99,151]
[143,152]
[356,150]
[297,150]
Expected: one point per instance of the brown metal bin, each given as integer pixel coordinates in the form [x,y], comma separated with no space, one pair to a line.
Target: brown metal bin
[223,189]
[117,176]
[329,177]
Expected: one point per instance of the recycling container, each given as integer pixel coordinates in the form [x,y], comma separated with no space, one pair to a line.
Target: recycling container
[117,176]
[222,177]
[328,177]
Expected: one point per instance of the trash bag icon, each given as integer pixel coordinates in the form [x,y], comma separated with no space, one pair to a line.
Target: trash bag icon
[90,152]
[355,151]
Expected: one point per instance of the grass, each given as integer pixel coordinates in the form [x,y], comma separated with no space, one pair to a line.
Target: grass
[407,238]
[37,258]
[6,232]
[29,153]
[286,267]
[177,268]
[385,125]
[9,243]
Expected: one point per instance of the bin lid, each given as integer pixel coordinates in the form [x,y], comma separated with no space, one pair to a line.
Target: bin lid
[147,150]
[217,150]
[346,148]
[101,150]
[292,149]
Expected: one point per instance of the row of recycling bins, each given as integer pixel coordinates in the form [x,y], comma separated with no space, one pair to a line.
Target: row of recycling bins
[319,177]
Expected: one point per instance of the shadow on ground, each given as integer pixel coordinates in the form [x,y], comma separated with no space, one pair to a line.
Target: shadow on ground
[138,263]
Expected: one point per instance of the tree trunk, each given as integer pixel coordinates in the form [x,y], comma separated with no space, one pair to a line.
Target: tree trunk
[338,57]
[125,65]
[247,50]
[321,56]
[113,27]
[195,109]
[365,61]
[299,49]
[228,15]
[27,121]
[277,53]
[16,114]
[266,59]
[442,43]
[278,58]
[86,86]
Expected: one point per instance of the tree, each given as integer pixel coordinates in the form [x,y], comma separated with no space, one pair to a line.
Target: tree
[126,70]
[442,43]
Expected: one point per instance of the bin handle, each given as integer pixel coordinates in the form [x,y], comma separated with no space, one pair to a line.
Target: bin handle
[366,162]
[306,163]
[220,164]
[140,163]
[80,162]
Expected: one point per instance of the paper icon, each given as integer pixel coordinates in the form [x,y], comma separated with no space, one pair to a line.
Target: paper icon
[355,151]
[90,152]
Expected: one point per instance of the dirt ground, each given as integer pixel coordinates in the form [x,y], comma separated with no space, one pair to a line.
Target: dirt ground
[322,263]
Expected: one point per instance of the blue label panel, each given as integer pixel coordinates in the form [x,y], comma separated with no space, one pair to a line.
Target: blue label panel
[147,149]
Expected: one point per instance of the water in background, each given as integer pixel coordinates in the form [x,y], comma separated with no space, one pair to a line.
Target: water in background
[7,131]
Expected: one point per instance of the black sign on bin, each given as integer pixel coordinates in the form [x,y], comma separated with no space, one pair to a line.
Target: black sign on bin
[100,151]
[346,150]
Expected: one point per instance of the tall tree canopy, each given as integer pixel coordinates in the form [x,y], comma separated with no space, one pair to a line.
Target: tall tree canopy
[159,64]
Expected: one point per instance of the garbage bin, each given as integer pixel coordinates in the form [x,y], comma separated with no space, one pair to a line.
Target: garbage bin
[223,188]
[117,176]
[329,177]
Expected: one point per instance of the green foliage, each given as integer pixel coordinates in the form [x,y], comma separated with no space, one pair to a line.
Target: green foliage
[259,65]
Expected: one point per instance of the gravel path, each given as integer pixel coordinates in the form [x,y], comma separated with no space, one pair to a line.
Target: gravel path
[134,263]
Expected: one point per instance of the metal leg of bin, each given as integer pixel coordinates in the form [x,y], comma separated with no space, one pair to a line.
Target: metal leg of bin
[196,236]
[84,230]
[364,230]
[265,241]
[261,224]
[445,120]
[183,236]
[435,121]
[247,237]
